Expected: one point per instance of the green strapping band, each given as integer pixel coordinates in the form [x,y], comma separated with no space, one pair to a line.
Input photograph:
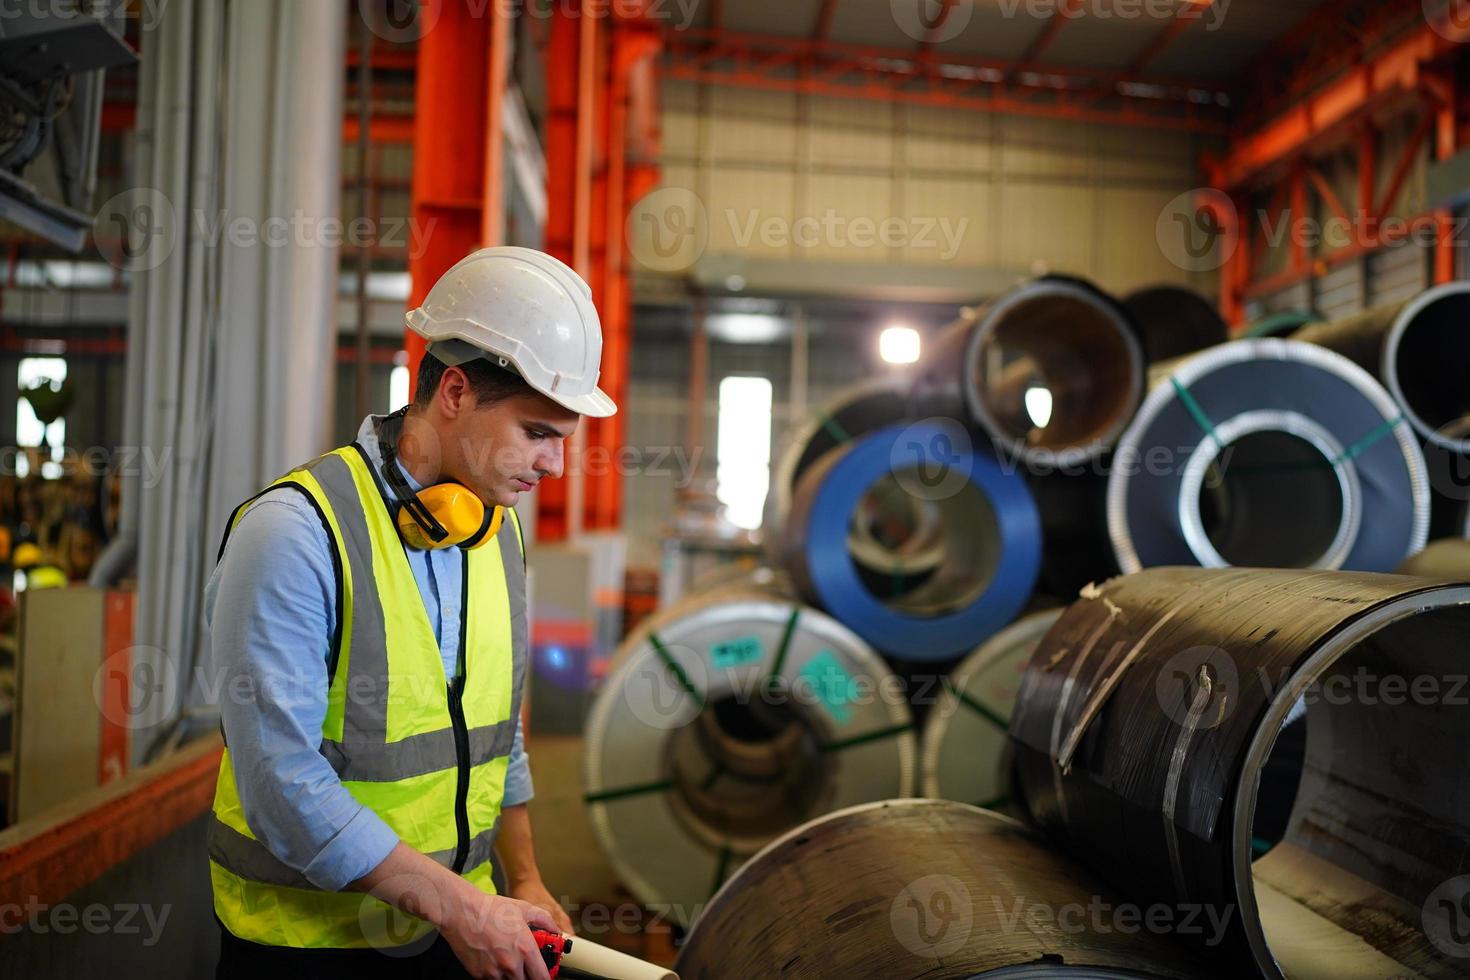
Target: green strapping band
[1192,406]
[605,795]
[848,743]
[675,669]
[1364,443]
[834,428]
[785,644]
[1002,723]
[721,869]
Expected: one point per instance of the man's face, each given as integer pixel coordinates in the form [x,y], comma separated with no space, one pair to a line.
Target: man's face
[504,449]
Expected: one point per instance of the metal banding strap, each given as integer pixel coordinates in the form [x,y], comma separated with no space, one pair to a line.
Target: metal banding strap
[865,738]
[780,660]
[1105,690]
[1176,770]
[628,792]
[834,428]
[968,701]
[1197,413]
[674,669]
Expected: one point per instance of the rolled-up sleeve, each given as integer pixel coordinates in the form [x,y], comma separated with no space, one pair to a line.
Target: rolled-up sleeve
[270,608]
[518,786]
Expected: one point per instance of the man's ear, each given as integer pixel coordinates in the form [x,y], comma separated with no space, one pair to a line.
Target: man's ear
[454,389]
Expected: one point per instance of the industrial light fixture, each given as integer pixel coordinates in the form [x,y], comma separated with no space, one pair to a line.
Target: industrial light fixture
[1038,406]
[899,344]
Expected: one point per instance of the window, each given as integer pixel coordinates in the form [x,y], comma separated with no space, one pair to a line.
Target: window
[743,460]
[29,431]
[398,382]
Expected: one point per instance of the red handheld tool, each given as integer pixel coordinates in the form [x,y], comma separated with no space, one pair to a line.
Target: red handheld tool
[553,946]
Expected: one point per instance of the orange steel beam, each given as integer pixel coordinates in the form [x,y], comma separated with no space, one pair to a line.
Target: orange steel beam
[1397,74]
[824,20]
[48,859]
[796,64]
[1069,10]
[451,144]
[931,33]
[601,134]
[1178,25]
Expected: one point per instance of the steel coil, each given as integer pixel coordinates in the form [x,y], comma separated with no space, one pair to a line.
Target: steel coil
[1267,453]
[1150,710]
[965,752]
[895,538]
[918,889]
[1175,320]
[1417,349]
[992,539]
[1445,558]
[1282,324]
[726,720]
[1051,371]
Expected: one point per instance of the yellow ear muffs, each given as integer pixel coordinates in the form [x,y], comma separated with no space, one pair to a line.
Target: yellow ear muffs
[458,510]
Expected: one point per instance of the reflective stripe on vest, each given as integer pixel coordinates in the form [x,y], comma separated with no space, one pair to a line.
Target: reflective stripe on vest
[390,731]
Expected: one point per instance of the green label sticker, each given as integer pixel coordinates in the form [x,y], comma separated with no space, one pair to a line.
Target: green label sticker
[733,653]
[831,684]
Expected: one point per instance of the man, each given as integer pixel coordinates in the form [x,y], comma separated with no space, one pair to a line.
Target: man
[368,612]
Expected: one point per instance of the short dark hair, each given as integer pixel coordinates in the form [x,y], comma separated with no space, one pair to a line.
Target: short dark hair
[490,382]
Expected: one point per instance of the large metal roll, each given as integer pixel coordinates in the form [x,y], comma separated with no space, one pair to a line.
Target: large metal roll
[1151,709]
[895,538]
[1052,371]
[1271,453]
[726,720]
[1175,320]
[912,889]
[1445,558]
[1418,349]
[965,752]
[991,540]
[1281,324]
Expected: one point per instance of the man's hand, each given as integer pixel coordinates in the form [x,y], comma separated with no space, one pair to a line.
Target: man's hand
[534,892]
[491,936]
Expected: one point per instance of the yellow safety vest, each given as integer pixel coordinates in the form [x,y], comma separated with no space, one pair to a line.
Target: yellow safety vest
[426,755]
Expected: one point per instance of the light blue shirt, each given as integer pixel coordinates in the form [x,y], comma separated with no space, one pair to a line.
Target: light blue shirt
[269,613]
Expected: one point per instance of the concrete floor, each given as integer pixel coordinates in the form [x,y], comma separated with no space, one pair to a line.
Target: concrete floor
[572,864]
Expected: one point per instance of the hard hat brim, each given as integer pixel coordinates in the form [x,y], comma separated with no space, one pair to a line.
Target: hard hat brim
[595,404]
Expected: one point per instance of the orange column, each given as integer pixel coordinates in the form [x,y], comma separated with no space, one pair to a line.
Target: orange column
[591,185]
[457,196]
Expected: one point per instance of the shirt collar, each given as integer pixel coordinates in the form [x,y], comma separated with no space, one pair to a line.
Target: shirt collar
[367,438]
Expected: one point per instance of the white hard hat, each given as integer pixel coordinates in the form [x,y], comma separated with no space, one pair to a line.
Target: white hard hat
[523,309]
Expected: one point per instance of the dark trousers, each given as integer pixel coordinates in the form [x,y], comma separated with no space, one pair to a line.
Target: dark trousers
[241,960]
